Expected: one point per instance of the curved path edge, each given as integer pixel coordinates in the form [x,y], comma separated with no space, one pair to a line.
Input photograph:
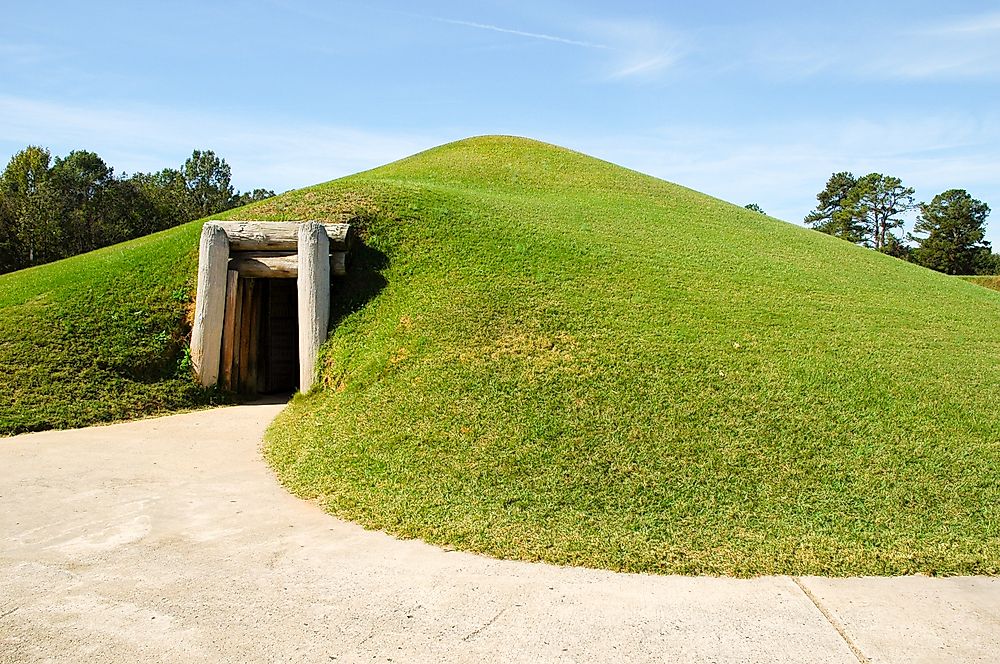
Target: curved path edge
[170,540]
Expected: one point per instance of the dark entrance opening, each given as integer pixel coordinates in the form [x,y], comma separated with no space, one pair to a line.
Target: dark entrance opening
[260,337]
[279,338]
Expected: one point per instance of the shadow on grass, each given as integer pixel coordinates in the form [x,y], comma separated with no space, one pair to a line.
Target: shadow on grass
[362,283]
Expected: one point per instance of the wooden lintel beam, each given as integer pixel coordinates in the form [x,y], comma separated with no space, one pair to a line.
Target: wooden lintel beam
[266,267]
[279,235]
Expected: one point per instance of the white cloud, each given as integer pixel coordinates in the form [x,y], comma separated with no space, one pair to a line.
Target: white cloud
[635,49]
[966,25]
[23,55]
[640,49]
[932,62]
[644,67]
[962,48]
[277,153]
[918,56]
[521,33]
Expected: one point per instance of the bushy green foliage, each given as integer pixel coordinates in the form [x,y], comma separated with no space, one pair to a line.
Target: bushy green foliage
[829,216]
[28,224]
[51,211]
[863,210]
[989,264]
[955,227]
[572,362]
[208,181]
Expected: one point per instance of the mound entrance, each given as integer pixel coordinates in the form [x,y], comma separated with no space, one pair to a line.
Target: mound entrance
[263,302]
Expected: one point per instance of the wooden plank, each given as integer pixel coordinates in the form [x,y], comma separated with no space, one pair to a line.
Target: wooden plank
[280,235]
[313,286]
[254,341]
[266,267]
[263,333]
[244,351]
[229,331]
[234,382]
[262,253]
[210,304]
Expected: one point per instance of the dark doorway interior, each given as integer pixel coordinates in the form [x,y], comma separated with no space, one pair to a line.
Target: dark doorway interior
[279,339]
[260,337]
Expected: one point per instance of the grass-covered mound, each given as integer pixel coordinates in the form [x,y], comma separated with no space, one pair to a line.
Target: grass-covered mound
[572,362]
[100,336]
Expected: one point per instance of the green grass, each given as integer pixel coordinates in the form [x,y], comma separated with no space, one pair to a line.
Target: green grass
[98,337]
[985,280]
[576,363]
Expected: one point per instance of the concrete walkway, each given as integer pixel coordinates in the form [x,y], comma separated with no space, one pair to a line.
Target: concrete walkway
[169,540]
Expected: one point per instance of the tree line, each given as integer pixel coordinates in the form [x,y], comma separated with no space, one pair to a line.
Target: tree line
[55,208]
[949,234]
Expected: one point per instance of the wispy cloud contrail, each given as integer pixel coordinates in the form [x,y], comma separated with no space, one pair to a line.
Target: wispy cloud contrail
[522,33]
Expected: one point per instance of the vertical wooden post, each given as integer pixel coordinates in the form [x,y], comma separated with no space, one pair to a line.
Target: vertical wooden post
[234,381]
[210,304]
[253,342]
[313,285]
[246,327]
[229,331]
[263,343]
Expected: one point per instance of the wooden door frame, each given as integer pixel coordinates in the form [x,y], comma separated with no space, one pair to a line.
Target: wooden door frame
[260,249]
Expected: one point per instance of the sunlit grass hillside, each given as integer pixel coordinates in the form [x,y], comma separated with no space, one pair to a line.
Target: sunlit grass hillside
[563,360]
[100,336]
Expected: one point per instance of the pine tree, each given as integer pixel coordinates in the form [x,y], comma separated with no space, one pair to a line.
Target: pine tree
[955,224]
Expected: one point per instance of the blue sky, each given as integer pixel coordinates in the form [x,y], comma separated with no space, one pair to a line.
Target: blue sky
[745,101]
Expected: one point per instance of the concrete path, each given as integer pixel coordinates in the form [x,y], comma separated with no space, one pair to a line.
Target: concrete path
[169,540]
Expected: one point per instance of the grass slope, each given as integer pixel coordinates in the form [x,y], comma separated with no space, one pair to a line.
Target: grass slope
[577,363]
[98,337]
[987,281]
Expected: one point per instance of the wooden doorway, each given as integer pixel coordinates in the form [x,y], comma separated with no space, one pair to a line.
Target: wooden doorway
[279,344]
[229,313]
[260,336]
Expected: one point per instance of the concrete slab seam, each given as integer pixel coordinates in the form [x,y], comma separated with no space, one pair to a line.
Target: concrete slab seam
[830,618]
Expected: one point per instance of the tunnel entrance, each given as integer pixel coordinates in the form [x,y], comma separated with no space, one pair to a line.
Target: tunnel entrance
[279,347]
[260,336]
[263,302]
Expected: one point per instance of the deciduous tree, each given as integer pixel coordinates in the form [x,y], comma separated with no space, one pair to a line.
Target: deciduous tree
[252,197]
[208,181]
[29,212]
[53,210]
[80,183]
